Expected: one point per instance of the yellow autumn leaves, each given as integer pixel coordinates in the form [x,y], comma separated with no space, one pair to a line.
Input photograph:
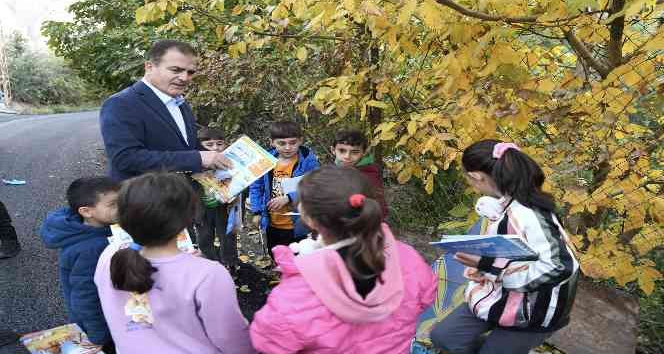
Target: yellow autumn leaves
[443,79]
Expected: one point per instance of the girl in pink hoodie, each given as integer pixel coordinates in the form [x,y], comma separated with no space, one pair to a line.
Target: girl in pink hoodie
[362,292]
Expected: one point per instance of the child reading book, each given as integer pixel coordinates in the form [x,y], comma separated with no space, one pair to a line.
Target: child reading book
[360,293]
[157,299]
[269,203]
[214,218]
[519,303]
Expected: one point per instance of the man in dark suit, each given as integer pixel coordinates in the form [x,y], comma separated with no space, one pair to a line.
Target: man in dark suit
[149,126]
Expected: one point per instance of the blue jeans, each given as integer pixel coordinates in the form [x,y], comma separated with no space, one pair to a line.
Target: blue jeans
[461,333]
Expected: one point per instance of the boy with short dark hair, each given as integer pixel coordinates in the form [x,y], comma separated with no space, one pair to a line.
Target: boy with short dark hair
[350,148]
[267,196]
[80,232]
[212,139]
[215,218]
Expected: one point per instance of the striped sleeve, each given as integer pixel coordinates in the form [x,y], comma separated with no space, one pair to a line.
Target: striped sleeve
[555,263]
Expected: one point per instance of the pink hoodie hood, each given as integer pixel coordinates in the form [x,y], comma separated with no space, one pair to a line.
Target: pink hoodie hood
[316,309]
[326,273]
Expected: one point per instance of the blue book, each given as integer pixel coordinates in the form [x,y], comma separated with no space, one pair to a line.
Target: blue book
[497,246]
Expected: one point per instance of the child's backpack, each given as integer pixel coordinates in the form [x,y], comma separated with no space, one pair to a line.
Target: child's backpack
[451,285]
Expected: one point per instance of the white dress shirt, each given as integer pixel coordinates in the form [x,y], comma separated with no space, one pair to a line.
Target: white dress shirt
[169,101]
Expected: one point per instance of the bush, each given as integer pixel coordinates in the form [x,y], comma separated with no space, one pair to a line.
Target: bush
[651,321]
[40,79]
[412,209]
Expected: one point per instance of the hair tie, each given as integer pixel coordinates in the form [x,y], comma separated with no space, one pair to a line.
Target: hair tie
[135,246]
[357,200]
[500,148]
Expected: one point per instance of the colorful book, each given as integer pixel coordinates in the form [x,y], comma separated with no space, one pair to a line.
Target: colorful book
[122,239]
[497,246]
[67,339]
[250,162]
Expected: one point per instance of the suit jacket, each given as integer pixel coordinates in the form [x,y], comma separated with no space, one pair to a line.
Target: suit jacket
[140,135]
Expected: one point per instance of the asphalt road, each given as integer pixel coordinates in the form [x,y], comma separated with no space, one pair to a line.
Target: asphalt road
[48,152]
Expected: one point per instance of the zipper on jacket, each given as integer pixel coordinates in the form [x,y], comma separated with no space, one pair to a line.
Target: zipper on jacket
[526,308]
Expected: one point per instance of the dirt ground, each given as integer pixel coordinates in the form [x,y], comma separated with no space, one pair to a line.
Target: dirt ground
[255,277]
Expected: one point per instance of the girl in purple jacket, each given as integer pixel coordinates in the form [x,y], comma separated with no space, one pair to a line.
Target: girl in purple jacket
[157,299]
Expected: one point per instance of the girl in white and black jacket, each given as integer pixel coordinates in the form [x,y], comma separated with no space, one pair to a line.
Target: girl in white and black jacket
[521,303]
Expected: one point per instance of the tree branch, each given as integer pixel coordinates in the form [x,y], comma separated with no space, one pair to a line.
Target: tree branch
[585,54]
[329,38]
[484,16]
[495,18]
[220,20]
[539,34]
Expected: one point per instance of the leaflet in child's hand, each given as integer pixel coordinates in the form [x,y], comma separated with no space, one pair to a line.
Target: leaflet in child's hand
[497,246]
[289,185]
[122,239]
[250,162]
[67,339]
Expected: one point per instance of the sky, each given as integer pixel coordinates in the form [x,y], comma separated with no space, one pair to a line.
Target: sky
[26,17]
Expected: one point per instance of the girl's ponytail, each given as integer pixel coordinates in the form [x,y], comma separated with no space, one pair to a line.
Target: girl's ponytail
[342,203]
[153,208]
[370,244]
[131,272]
[515,173]
[519,176]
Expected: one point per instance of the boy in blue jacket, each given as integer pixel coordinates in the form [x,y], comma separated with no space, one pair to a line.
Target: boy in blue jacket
[266,195]
[80,233]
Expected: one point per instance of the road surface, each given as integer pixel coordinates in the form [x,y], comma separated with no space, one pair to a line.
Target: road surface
[48,152]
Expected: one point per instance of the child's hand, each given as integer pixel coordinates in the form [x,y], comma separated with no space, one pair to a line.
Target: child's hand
[221,162]
[90,348]
[256,220]
[215,160]
[473,274]
[277,203]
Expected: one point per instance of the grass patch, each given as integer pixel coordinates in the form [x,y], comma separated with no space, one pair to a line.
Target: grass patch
[27,109]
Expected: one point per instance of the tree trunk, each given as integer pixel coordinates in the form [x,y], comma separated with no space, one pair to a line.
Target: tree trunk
[616,30]
[5,84]
[375,115]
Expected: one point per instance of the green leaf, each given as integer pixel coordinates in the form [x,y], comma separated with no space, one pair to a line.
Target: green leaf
[301,54]
[377,104]
[428,187]
[185,22]
[163,5]
[412,127]
[407,11]
[217,5]
[141,15]
[460,211]
[576,6]
[172,7]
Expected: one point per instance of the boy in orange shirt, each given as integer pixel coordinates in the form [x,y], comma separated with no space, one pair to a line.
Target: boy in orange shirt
[267,196]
